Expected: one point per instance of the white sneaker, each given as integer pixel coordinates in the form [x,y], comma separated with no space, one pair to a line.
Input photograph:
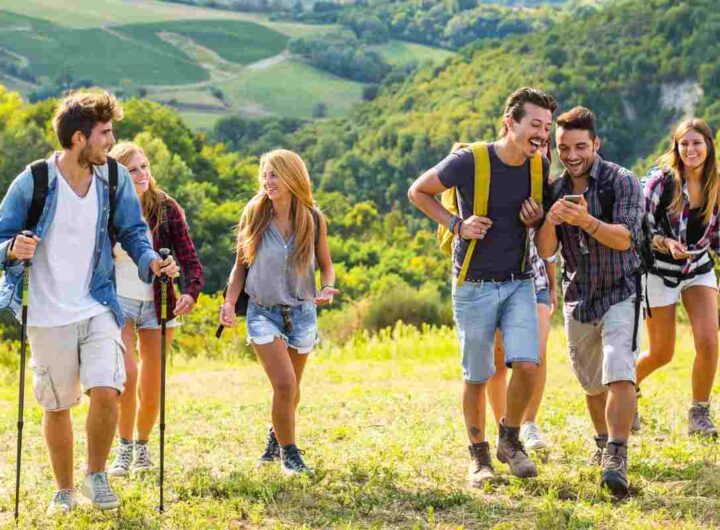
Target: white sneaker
[97,488]
[123,460]
[62,502]
[142,458]
[531,437]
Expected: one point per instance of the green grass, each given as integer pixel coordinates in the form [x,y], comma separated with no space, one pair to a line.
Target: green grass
[399,52]
[380,421]
[291,89]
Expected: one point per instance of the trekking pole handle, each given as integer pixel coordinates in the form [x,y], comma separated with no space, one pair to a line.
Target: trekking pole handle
[164,253]
[29,234]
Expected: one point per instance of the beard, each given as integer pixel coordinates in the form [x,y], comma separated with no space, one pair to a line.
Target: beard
[90,157]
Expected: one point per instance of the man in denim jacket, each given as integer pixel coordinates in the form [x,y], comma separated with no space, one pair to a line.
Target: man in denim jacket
[74,318]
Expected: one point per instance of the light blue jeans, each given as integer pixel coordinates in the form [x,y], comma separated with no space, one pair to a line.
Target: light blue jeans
[481,308]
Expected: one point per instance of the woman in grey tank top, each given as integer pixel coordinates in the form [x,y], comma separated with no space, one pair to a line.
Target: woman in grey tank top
[281,237]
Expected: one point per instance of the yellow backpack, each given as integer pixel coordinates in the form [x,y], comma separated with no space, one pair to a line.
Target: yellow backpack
[449,198]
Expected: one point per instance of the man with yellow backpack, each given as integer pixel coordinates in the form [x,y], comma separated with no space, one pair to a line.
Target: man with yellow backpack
[492,195]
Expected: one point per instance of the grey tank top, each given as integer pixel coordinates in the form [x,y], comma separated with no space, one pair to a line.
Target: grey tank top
[272,280]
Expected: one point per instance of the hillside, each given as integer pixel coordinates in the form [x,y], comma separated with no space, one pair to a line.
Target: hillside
[637,82]
[205,62]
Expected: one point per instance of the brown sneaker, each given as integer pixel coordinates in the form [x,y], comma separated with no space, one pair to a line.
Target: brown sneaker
[614,470]
[601,443]
[699,421]
[511,452]
[480,469]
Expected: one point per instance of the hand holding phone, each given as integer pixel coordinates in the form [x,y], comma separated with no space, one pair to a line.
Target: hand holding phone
[575,199]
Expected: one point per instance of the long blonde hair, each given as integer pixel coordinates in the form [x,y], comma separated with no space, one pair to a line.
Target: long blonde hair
[258,213]
[710,178]
[152,200]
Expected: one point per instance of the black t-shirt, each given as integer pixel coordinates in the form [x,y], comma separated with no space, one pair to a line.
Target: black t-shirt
[503,248]
[695,226]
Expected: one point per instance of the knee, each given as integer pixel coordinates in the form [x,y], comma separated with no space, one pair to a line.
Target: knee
[104,397]
[285,389]
[707,345]
[662,355]
[525,369]
[501,371]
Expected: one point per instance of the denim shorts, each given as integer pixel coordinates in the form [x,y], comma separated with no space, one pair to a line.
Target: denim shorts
[543,297]
[142,314]
[297,325]
[480,309]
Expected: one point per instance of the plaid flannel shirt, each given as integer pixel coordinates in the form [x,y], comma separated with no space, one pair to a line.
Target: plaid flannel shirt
[539,273]
[596,277]
[175,235]
[653,186]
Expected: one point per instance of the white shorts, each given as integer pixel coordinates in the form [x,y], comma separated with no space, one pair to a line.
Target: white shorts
[89,352]
[660,295]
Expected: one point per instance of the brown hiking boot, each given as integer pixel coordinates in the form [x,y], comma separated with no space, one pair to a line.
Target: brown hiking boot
[699,421]
[480,468]
[614,470]
[510,451]
[601,443]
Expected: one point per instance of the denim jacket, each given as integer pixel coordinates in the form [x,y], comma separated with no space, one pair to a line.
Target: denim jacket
[130,230]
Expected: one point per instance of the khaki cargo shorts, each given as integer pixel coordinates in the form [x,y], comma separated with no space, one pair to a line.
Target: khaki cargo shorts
[87,353]
[601,351]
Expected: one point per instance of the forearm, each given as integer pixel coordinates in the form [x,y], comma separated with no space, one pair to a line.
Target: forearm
[431,207]
[546,240]
[614,236]
[327,276]
[550,269]
[236,283]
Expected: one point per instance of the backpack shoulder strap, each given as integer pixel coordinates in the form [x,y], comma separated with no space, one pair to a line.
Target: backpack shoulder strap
[606,196]
[112,192]
[39,170]
[481,196]
[536,178]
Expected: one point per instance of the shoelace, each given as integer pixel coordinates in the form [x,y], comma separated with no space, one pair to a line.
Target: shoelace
[702,416]
[272,446]
[516,446]
[482,460]
[63,497]
[124,455]
[613,462]
[293,459]
[142,456]
[101,487]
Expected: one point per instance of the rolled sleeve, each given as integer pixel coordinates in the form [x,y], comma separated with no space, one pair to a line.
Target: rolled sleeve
[629,203]
[13,213]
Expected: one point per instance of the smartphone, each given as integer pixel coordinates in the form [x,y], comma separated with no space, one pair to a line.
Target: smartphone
[573,198]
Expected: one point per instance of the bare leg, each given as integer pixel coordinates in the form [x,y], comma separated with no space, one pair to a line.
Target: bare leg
[596,407]
[128,401]
[497,384]
[661,334]
[100,426]
[621,403]
[275,359]
[298,361]
[57,429]
[539,388]
[522,383]
[149,391]
[474,410]
[702,307]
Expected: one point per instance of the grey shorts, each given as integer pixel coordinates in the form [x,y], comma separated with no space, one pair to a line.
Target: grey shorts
[87,353]
[601,351]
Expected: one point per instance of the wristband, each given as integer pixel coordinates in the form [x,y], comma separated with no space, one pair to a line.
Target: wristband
[327,285]
[597,227]
[453,221]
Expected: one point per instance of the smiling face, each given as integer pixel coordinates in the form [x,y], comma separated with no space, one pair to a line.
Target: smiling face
[577,150]
[532,132]
[94,148]
[274,185]
[693,149]
[139,169]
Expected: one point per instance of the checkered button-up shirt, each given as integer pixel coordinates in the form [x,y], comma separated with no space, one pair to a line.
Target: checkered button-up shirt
[596,277]
[539,272]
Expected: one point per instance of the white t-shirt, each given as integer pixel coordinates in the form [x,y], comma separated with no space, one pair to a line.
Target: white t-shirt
[129,284]
[62,266]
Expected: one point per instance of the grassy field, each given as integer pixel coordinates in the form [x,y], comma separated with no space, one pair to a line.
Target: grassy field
[380,421]
[400,52]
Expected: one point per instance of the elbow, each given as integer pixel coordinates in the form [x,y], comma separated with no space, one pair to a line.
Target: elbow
[412,195]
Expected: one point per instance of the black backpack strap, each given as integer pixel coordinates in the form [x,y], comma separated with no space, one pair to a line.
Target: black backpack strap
[606,197]
[113,186]
[666,197]
[39,170]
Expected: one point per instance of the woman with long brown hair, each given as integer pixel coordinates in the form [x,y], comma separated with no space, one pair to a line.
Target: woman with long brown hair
[682,196]
[141,305]
[281,236]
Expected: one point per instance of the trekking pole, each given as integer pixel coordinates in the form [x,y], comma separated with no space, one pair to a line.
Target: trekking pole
[21,390]
[164,253]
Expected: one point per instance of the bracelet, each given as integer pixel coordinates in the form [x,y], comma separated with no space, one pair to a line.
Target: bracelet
[453,221]
[327,285]
[597,227]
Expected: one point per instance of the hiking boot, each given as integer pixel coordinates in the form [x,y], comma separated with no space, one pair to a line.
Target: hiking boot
[699,421]
[123,460]
[601,443]
[480,468]
[614,470]
[97,489]
[62,502]
[531,436]
[272,449]
[142,457]
[291,460]
[510,451]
